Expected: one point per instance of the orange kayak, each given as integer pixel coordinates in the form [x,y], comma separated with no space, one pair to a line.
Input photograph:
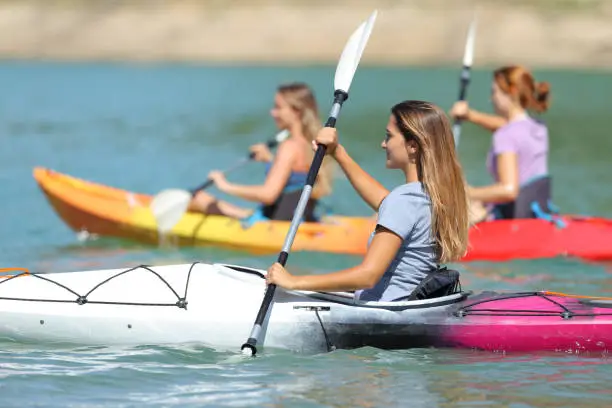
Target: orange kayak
[108,211]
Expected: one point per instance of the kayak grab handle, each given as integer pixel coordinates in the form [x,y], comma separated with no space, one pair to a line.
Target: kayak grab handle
[539,213]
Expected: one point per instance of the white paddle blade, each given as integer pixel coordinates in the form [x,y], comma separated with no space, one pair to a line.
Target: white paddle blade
[168,208]
[468,56]
[351,54]
[281,136]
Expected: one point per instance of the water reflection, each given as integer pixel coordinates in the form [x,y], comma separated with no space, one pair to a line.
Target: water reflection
[444,378]
[192,375]
[111,253]
[558,274]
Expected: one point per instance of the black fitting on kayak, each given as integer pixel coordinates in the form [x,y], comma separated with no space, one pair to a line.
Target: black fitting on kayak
[81,300]
[328,343]
[567,315]
[181,303]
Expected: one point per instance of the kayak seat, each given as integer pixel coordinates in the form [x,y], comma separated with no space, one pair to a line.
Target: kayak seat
[441,282]
[533,201]
[282,210]
[284,206]
[535,193]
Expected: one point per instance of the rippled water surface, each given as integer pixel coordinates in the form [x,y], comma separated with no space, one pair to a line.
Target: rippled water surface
[145,128]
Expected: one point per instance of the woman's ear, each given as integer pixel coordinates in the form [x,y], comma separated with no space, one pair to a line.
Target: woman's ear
[513,91]
[412,146]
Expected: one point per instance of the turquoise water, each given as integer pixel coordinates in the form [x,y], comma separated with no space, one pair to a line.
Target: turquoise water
[147,128]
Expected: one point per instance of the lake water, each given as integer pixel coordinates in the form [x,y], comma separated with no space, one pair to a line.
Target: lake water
[150,127]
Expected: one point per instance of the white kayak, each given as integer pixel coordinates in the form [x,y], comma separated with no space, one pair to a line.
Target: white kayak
[216,305]
[211,304]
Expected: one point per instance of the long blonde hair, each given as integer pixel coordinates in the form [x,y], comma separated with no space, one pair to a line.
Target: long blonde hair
[301,98]
[440,173]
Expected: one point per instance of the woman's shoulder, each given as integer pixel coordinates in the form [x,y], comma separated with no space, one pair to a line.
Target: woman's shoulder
[514,132]
[288,147]
[409,192]
[522,125]
[409,189]
[403,208]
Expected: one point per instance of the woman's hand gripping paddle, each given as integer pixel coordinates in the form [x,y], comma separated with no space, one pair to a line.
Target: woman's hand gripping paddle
[170,205]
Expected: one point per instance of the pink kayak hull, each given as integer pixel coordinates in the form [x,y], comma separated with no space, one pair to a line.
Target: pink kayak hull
[530,322]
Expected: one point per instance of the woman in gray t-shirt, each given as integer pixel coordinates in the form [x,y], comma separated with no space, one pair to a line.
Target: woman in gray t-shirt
[420,224]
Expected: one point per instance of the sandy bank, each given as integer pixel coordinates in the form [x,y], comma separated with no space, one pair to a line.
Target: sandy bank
[407,32]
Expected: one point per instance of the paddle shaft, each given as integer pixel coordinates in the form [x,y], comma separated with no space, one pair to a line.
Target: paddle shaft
[339,98]
[464,83]
[272,143]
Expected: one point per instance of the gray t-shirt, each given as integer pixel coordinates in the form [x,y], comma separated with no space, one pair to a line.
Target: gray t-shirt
[406,211]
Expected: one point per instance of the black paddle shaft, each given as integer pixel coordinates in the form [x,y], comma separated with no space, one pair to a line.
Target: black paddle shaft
[283,256]
[272,143]
[464,83]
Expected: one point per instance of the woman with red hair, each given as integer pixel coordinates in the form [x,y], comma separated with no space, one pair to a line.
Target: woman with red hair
[518,158]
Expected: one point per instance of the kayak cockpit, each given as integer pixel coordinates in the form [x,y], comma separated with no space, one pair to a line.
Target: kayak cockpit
[348,298]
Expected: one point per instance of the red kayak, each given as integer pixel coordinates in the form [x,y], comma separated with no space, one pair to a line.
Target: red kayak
[589,238]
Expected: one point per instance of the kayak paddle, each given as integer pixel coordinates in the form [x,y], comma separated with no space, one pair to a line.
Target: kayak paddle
[468,58]
[169,205]
[349,60]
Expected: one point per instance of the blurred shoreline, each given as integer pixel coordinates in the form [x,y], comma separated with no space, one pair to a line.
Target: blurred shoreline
[548,33]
